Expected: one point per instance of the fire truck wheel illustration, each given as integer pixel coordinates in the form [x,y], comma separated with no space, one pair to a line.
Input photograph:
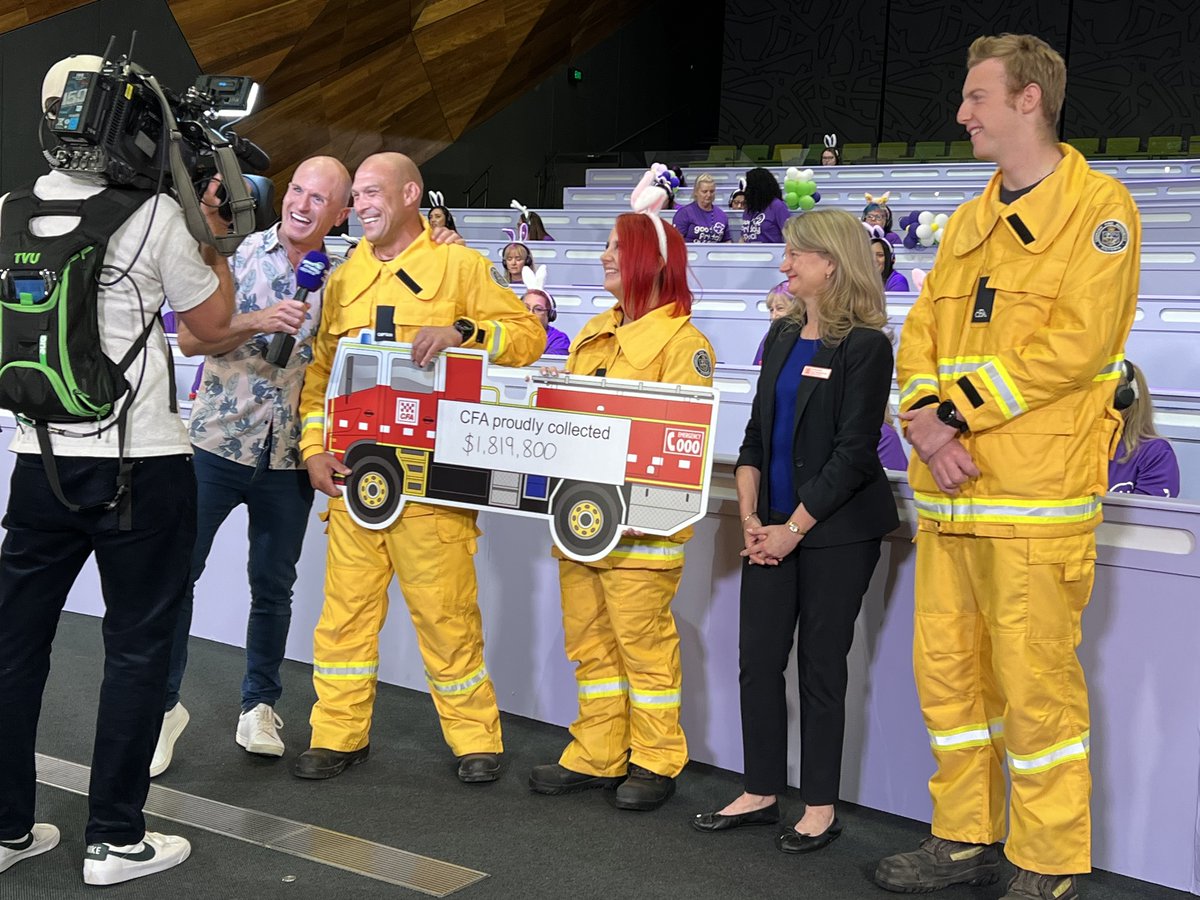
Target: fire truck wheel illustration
[587,520]
[373,493]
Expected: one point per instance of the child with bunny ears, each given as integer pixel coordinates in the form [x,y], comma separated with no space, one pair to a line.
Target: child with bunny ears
[531,222]
[539,302]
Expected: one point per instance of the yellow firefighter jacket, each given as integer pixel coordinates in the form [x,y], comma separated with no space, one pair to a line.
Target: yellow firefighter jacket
[429,285]
[1022,324]
[656,347]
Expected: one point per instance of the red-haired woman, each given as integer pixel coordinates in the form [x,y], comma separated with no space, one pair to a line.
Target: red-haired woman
[617,618]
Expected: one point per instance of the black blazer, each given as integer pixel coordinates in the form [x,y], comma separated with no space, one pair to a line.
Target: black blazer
[837,473]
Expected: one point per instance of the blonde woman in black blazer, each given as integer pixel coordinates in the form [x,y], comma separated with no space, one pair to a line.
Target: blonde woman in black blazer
[815,506]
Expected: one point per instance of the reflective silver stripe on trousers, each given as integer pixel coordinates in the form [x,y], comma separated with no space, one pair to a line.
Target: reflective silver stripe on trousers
[596,689]
[345,671]
[667,698]
[458,687]
[311,842]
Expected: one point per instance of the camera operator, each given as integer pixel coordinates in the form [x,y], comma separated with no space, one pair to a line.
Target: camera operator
[142,548]
[245,433]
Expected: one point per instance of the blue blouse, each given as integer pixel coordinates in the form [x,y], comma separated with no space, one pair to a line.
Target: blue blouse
[780,483]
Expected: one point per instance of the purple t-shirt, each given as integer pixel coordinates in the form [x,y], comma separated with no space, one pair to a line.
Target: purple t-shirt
[765,227]
[557,342]
[701,226]
[890,450]
[1151,470]
[896,282]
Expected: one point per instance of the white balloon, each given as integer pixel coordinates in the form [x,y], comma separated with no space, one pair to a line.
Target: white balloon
[937,236]
[941,220]
[793,174]
[924,232]
[806,174]
[925,218]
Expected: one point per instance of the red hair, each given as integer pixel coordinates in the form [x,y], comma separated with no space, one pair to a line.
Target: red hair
[642,270]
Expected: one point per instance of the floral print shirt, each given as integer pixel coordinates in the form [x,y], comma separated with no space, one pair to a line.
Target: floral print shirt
[245,404]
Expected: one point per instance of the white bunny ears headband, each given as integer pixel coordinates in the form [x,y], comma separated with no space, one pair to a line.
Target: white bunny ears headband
[651,195]
[520,233]
[436,198]
[831,141]
[534,279]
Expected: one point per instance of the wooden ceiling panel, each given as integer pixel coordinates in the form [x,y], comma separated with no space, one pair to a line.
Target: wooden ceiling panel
[17,13]
[314,56]
[372,26]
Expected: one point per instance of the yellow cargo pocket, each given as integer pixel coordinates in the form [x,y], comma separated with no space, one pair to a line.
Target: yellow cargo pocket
[324,517]
[1061,571]
[456,526]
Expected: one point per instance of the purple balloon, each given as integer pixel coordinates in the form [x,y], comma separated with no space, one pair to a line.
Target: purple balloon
[816,196]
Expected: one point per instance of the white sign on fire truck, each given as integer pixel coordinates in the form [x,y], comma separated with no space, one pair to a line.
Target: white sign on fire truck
[592,456]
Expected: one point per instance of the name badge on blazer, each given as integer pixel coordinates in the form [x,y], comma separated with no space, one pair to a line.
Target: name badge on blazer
[816,372]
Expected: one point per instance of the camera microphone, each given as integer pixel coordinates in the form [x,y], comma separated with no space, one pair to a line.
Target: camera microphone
[310,275]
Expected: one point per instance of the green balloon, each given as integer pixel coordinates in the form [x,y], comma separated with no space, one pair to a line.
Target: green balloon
[791,185]
[807,188]
[807,202]
[793,200]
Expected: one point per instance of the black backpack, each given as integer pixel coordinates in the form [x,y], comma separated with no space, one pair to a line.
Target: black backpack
[53,369]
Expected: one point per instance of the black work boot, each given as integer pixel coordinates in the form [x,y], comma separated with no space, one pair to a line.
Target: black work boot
[321,762]
[937,864]
[1028,885]
[556,779]
[644,790]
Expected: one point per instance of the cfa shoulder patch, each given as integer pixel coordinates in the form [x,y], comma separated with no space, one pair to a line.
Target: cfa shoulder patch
[499,278]
[702,363]
[1110,236]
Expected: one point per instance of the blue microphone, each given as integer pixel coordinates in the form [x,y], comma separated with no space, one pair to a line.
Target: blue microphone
[310,275]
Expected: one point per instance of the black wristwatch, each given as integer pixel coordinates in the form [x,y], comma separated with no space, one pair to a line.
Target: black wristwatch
[948,415]
[466,328]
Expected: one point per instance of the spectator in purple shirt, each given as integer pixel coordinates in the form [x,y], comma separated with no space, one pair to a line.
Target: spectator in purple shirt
[701,221]
[765,213]
[885,259]
[1145,463]
[890,450]
[539,302]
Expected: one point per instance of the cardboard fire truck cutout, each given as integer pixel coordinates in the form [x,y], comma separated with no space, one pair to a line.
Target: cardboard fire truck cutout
[594,456]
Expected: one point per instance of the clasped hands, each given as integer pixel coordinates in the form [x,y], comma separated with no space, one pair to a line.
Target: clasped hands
[937,446]
[766,545]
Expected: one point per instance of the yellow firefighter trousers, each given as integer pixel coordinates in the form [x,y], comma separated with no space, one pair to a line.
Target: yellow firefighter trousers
[996,628]
[432,555]
[619,630]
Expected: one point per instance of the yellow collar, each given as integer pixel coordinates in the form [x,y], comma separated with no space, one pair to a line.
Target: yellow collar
[641,341]
[423,262]
[1035,219]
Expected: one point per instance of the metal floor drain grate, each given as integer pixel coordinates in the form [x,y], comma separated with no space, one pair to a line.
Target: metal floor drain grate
[320,845]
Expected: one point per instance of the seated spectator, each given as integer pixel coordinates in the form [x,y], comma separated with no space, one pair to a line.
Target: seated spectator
[779,304]
[439,214]
[885,259]
[831,157]
[516,257]
[536,230]
[1145,462]
[701,221]
[765,212]
[878,214]
[539,302]
[890,450]
[737,200]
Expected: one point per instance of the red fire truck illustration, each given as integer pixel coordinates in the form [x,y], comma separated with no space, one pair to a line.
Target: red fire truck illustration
[594,456]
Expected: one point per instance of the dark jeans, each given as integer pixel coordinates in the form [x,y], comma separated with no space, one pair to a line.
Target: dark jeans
[278,502]
[143,576]
[821,590]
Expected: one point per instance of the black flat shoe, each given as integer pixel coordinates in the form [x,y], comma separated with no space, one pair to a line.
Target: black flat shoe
[714,821]
[792,841]
[321,762]
[478,768]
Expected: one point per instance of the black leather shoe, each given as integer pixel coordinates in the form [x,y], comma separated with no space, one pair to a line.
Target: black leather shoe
[644,790]
[476,768]
[792,841]
[556,779]
[321,762]
[714,821]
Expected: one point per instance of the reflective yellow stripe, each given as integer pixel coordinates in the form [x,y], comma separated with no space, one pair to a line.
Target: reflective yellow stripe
[463,686]
[1003,389]
[655,699]
[977,735]
[354,669]
[1112,369]
[497,341]
[1066,751]
[922,383]
[999,509]
[313,421]
[951,368]
[648,550]
[598,688]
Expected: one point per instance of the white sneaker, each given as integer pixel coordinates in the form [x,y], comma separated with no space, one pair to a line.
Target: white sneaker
[39,840]
[258,731]
[109,864]
[172,727]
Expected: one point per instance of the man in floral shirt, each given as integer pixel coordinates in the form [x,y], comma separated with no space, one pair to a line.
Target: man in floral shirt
[245,432]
